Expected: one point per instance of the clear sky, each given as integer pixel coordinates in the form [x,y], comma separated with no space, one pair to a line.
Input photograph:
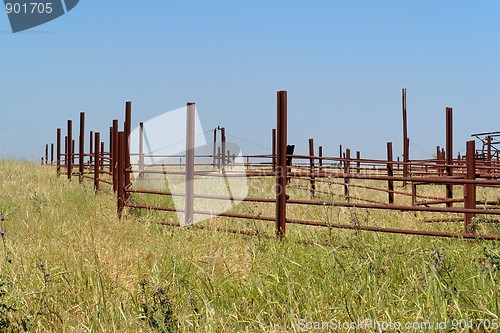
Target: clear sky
[343,64]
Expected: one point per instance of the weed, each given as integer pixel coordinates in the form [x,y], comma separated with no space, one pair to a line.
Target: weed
[491,260]
[6,310]
[156,308]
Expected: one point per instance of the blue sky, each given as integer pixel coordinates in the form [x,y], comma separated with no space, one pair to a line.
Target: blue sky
[343,64]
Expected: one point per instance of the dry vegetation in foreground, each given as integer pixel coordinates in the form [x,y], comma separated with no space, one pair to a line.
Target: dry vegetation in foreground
[67,264]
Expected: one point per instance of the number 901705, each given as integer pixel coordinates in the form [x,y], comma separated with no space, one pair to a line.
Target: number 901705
[28,8]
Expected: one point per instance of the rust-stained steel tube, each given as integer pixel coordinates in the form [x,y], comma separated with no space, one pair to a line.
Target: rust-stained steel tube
[438,161]
[341,151]
[189,182]
[390,173]
[120,170]
[81,146]
[46,153]
[358,161]
[470,189]
[320,160]
[312,185]
[347,170]
[281,173]
[58,152]
[449,153]
[91,148]
[459,210]
[111,145]
[69,156]
[214,148]
[405,137]
[457,179]
[141,148]
[396,231]
[203,196]
[218,159]
[128,130]
[97,160]
[51,154]
[223,147]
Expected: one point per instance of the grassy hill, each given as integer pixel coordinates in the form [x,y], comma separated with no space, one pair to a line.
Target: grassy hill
[68,264]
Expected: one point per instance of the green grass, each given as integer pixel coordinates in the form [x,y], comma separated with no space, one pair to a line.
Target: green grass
[68,264]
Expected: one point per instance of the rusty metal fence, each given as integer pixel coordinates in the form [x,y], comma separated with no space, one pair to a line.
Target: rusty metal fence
[311,180]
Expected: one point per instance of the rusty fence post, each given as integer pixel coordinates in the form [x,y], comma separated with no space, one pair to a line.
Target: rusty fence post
[97,160]
[66,147]
[413,193]
[219,159]
[120,167]
[141,150]
[449,153]
[111,150]
[189,181]
[438,160]
[312,186]
[470,189]
[341,153]
[81,150]
[128,130]
[58,152]
[320,155]
[408,169]
[347,171]
[358,161]
[214,157]
[46,153]
[281,172]
[69,156]
[390,173]
[223,148]
[91,148]
[405,137]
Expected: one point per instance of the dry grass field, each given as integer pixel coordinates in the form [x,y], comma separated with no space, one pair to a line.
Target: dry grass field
[68,264]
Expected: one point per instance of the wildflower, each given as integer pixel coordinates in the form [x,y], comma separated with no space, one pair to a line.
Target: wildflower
[2,233]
